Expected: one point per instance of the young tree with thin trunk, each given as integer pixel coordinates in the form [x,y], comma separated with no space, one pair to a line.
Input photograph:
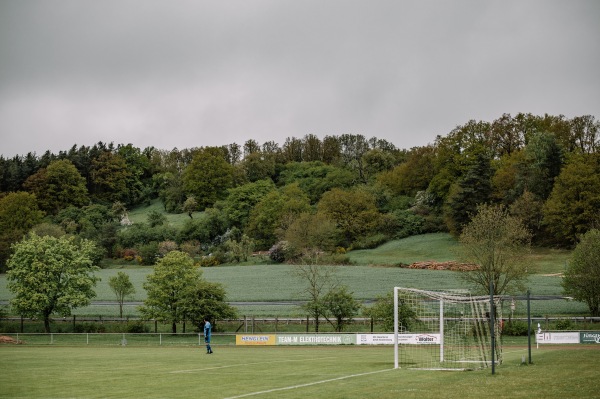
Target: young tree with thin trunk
[122,287]
[319,281]
[340,307]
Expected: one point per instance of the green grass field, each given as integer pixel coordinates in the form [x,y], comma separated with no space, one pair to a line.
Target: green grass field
[140,214]
[272,372]
[373,274]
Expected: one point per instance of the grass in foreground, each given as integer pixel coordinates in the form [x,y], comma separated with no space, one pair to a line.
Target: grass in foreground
[271,372]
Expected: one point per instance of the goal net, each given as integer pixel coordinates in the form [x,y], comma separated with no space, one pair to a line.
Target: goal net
[445,330]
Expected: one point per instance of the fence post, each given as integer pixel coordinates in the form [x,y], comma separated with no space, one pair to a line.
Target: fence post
[529,324]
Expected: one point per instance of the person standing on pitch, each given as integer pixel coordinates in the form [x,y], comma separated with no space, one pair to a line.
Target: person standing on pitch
[207,334]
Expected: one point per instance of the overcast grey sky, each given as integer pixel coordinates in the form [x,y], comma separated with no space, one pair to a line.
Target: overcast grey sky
[190,73]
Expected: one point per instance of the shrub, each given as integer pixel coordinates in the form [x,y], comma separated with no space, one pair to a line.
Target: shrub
[278,251]
[515,328]
[129,254]
[89,328]
[137,327]
[370,242]
[336,259]
[209,260]
[164,247]
[564,324]
[149,253]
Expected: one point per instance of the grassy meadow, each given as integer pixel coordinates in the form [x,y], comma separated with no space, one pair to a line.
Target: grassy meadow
[373,273]
[292,372]
[140,214]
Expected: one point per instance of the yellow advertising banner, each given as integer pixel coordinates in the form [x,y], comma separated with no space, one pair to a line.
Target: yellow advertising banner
[255,339]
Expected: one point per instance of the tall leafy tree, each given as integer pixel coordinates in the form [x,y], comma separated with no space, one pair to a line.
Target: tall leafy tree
[411,176]
[208,301]
[497,242]
[332,150]
[586,133]
[170,288]
[354,212]
[110,177]
[139,176]
[274,213]
[506,135]
[250,147]
[241,200]
[208,176]
[582,277]
[472,189]
[50,275]
[19,212]
[312,148]
[352,149]
[377,161]
[572,208]
[258,166]
[292,150]
[541,164]
[58,186]
[310,237]
[315,178]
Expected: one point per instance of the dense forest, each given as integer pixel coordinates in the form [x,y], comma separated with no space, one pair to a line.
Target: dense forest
[308,197]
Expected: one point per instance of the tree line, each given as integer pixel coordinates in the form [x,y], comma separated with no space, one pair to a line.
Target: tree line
[309,199]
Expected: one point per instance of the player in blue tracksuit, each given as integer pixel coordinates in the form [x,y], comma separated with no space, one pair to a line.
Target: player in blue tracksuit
[207,334]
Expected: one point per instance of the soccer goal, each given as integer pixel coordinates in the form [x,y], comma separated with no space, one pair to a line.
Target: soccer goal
[444,330]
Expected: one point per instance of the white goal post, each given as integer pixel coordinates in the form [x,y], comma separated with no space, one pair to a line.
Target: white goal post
[445,330]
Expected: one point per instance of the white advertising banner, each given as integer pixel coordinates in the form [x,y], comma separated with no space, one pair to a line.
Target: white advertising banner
[558,338]
[403,339]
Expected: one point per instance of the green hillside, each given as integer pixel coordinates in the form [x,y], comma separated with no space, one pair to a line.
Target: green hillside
[139,214]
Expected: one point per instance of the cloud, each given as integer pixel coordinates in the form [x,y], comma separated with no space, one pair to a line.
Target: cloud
[193,73]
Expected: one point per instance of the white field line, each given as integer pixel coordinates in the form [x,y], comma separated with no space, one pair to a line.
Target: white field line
[249,364]
[307,384]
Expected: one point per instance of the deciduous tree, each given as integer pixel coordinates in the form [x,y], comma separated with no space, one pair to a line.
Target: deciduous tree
[19,212]
[497,242]
[122,287]
[318,280]
[383,311]
[582,277]
[572,208]
[340,307]
[208,176]
[58,186]
[51,275]
[176,292]
[353,211]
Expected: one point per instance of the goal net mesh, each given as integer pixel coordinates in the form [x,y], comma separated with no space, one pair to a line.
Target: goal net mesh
[445,330]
